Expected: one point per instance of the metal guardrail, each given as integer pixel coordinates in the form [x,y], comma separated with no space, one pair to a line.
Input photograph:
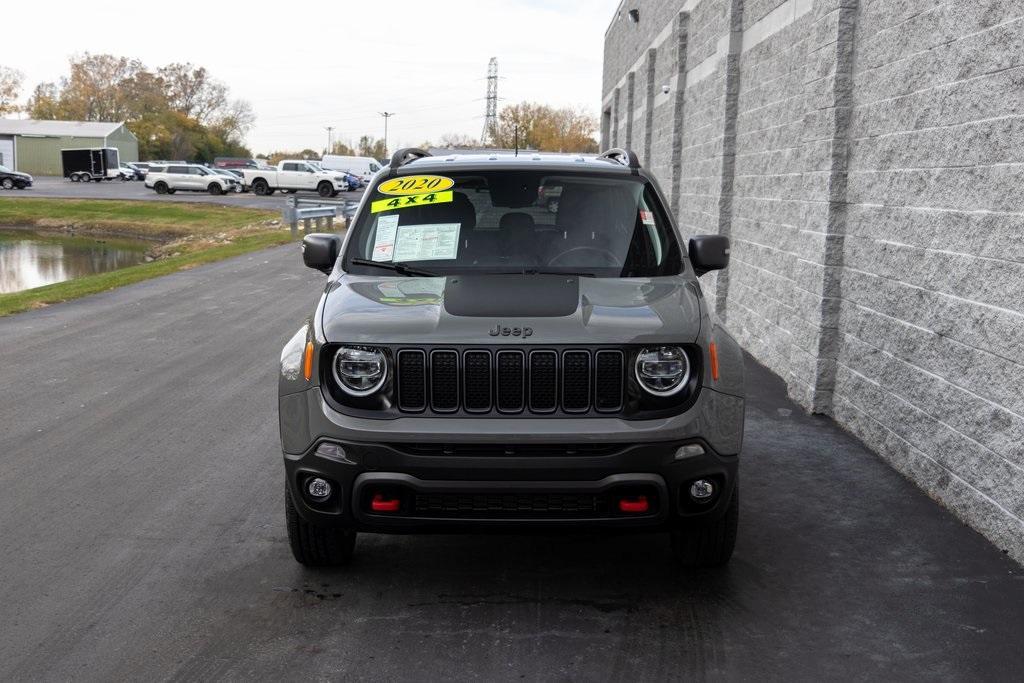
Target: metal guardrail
[308,210]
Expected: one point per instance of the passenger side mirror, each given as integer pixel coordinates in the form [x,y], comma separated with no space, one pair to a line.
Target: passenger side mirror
[709,252]
[320,251]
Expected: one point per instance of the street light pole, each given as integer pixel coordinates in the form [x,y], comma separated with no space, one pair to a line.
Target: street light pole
[387,115]
[330,131]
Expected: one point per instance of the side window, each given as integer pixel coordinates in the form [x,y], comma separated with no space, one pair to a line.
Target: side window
[290,167]
[178,170]
[374,168]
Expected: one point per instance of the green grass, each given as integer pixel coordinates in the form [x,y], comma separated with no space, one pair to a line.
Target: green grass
[84,286]
[157,220]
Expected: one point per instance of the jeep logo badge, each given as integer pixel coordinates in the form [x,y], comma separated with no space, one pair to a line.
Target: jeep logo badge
[498,330]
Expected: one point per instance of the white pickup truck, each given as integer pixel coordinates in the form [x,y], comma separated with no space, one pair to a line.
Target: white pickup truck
[292,175]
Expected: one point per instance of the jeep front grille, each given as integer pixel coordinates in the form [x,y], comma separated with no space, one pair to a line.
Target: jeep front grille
[510,381]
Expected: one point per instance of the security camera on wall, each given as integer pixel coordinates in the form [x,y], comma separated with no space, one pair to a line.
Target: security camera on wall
[665,89]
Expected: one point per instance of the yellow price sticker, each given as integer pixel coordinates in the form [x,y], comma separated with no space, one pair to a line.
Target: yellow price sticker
[411,200]
[415,184]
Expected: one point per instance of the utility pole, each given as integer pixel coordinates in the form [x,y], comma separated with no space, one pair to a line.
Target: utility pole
[387,115]
[330,139]
[491,110]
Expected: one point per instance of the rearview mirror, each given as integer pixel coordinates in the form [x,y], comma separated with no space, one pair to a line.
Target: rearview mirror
[709,252]
[320,251]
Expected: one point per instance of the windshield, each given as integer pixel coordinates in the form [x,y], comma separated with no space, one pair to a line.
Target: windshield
[4,169]
[523,221]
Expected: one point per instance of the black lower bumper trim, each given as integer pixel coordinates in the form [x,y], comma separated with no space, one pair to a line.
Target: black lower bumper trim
[523,503]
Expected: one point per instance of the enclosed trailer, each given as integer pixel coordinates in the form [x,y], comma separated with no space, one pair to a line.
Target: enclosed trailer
[95,163]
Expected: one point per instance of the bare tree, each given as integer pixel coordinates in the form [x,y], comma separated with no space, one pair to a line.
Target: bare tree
[10,89]
[235,119]
[192,92]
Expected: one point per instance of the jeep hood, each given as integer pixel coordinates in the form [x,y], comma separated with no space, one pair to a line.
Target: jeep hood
[467,309]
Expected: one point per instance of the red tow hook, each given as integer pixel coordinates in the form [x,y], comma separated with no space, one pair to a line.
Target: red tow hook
[382,503]
[634,504]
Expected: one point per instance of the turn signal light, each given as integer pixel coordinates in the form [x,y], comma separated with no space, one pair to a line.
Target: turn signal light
[382,503]
[307,362]
[713,352]
[634,504]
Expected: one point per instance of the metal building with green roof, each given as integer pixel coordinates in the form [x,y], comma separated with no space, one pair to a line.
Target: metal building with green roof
[33,146]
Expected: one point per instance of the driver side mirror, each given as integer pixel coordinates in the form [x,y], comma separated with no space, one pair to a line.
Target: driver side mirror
[320,251]
[709,252]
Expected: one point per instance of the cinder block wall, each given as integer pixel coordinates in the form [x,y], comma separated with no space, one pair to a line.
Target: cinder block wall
[866,157]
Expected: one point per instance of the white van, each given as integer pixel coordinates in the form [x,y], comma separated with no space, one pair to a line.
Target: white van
[363,167]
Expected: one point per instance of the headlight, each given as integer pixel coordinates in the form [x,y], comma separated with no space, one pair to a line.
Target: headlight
[339,178]
[360,372]
[662,371]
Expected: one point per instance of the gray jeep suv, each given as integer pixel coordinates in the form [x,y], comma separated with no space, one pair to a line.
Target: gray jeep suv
[479,363]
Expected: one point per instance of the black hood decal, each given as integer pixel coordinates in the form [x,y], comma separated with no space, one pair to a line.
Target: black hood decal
[517,296]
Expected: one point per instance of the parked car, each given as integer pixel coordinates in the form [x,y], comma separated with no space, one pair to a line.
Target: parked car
[129,173]
[478,363]
[13,180]
[364,167]
[292,175]
[139,170]
[353,182]
[548,196]
[190,178]
[93,163]
[234,174]
[235,162]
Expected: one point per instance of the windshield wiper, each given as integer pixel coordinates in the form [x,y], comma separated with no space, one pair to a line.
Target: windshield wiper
[398,267]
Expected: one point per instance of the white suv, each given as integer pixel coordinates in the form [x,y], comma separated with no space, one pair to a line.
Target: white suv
[189,177]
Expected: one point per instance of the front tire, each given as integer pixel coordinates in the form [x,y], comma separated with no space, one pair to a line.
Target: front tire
[215,190]
[708,544]
[325,189]
[160,187]
[315,546]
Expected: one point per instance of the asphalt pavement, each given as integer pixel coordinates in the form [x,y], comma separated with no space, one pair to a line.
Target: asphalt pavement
[50,186]
[142,534]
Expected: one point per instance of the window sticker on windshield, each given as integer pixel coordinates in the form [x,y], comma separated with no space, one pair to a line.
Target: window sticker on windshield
[384,240]
[416,184]
[433,242]
[411,200]
[647,217]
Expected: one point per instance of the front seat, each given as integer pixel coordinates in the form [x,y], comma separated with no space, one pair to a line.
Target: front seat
[517,238]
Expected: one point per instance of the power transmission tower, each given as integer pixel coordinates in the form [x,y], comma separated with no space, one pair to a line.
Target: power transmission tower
[491,113]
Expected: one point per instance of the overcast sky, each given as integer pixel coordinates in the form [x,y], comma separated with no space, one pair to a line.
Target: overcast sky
[305,65]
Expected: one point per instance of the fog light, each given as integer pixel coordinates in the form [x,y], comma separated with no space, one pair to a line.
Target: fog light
[318,489]
[690,450]
[702,490]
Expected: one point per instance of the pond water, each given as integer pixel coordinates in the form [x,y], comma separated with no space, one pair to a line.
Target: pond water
[31,259]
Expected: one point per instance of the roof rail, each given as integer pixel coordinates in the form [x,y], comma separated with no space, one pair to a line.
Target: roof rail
[407,154]
[626,157]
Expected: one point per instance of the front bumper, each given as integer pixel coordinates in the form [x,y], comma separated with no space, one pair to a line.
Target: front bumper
[447,492]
